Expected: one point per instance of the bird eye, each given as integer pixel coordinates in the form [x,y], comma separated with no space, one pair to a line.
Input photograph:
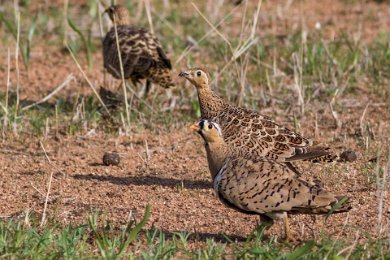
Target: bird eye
[198,73]
[210,126]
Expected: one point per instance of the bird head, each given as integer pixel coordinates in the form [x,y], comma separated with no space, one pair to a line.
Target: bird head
[196,76]
[118,14]
[210,131]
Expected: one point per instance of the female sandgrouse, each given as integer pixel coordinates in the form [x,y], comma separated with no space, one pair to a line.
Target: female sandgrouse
[258,185]
[247,130]
[141,52]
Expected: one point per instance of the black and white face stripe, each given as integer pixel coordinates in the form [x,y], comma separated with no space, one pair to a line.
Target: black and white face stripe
[206,123]
[200,131]
[201,124]
[218,127]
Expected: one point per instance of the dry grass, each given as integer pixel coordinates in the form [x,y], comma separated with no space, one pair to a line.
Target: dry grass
[323,71]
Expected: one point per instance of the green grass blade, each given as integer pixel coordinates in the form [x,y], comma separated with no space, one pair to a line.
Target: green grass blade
[13,29]
[27,48]
[75,29]
[301,251]
[9,25]
[336,206]
[83,39]
[101,240]
[134,232]
[33,26]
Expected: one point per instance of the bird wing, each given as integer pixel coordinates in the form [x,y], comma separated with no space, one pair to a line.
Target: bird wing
[264,186]
[314,153]
[251,132]
[142,64]
[138,48]
[166,61]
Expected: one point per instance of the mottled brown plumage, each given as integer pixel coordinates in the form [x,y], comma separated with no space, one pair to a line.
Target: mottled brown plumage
[247,130]
[141,52]
[258,185]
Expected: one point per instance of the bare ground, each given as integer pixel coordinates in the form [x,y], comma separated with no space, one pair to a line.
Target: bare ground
[173,178]
[166,168]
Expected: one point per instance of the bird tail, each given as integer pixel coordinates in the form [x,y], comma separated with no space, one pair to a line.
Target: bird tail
[314,154]
[321,154]
[341,204]
[162,76]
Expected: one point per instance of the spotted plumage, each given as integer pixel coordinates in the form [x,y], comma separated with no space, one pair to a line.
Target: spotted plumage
[141,52]
[247,130]
[258,185]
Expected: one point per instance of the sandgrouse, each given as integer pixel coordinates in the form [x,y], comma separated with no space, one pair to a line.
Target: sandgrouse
[249,131]
[258,185]
[141,52]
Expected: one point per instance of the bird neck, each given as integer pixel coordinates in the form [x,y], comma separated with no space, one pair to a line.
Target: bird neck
[122,20]
[216,156]
[210,103]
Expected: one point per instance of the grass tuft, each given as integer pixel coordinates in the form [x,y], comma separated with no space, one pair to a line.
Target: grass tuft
[25,238]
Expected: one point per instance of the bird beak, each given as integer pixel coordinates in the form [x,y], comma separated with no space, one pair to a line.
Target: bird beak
[184,74]
[195,127]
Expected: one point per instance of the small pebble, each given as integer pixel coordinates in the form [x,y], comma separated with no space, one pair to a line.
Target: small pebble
[111,158]
[348,156]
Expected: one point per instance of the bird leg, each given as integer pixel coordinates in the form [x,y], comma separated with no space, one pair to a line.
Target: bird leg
[261,228]
[147,88]
[266,221]
[287,231]
[119,87]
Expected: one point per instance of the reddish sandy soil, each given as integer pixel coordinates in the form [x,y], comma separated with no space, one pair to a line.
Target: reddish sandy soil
[173,179]
[173,176]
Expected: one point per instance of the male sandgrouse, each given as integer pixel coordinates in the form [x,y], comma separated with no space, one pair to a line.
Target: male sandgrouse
[258,185]
[141,52]
[247,130]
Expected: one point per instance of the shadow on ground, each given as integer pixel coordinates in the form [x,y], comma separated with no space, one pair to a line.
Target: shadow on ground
[147,181]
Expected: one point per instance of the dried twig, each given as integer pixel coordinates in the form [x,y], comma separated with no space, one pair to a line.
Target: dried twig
[17,63]
[8,80]
[188,49]
[147,8]
[212,26]
[147,152]
[298,85]
[381,189]
[35,188]
[55,91]
[48,188]
[334,113]
[361,121]
[5,107]
[351,247]
[87,79]
[122,73]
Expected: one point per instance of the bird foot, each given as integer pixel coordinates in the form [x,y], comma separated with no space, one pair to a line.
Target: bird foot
[261,230]
[289,238]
